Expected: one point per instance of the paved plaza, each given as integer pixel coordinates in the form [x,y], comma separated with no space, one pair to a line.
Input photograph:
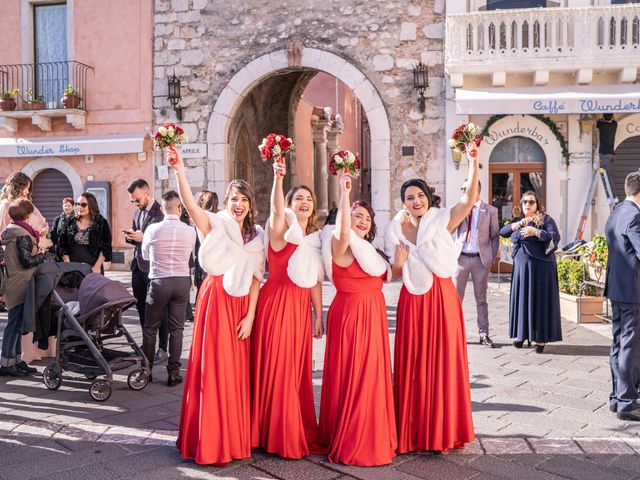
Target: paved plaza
[536,416]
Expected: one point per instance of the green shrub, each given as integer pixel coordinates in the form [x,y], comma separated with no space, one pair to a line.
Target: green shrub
[571,274]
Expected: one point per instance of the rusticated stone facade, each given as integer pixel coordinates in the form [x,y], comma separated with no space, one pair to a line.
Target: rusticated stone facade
[222,51]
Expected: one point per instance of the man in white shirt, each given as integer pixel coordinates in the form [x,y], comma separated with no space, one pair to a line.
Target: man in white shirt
[478,239]
[167,246]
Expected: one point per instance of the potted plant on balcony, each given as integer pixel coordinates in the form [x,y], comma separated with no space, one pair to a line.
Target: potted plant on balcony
[8,100]
[71,97]
[33,102]
[579,302]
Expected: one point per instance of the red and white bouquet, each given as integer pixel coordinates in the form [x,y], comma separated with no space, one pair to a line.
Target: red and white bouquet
[275,146]
[345,161]
[168,136]
[464,134]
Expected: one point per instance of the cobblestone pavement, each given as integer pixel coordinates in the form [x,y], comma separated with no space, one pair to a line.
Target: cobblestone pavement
[536,416]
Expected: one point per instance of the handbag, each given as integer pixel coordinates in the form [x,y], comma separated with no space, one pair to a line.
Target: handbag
[551,247]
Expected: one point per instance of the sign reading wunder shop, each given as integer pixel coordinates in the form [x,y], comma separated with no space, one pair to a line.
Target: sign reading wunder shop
[20,147]
[517,129]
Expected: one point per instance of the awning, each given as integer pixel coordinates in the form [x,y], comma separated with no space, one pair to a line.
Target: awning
[70,146]
[551,100]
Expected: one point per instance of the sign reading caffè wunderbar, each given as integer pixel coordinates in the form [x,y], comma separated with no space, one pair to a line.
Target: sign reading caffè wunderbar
[21,147]
[517,129]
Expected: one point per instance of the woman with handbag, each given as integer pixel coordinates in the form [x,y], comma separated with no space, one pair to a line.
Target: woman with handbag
[534,305]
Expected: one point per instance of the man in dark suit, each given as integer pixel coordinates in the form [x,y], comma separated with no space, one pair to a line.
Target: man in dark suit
[477,239]
[148,212]
[623,289]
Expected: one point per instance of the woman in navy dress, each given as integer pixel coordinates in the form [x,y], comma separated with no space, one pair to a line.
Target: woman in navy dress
[534,305]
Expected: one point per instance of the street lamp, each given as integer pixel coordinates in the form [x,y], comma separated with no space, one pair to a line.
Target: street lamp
[420,83]
[585,122]
[457,157]
[174,95]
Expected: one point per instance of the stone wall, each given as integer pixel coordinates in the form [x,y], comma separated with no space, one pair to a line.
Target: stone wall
[206,42]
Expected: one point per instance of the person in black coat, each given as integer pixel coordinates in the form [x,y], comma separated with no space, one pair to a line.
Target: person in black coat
[534,304]
[59,226]
[622,288]
[86,236]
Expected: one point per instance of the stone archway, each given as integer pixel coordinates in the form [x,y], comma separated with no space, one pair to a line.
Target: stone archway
[309,59]
[39,164]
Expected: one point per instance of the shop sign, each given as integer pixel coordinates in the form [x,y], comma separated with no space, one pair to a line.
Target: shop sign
[633,128]
[585,106]
[21,147]
[533,132]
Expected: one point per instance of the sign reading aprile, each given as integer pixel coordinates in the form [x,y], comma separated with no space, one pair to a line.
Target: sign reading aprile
[193,150]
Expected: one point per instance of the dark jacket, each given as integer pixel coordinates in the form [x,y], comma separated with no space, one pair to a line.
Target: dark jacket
[21,258]
[155,215]
[537,248]
[623,264]
[99,237]
[57,230]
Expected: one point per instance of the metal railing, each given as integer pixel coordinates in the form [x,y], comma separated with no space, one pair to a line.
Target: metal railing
[543,33]
[41,85]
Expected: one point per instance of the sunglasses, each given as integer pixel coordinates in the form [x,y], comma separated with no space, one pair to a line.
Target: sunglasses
[81,204]
[529,202]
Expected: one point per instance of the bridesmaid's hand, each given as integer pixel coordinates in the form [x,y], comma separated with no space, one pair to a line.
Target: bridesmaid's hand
[401,254]
[174,159]
[318,328]
[244,327]
[279,170]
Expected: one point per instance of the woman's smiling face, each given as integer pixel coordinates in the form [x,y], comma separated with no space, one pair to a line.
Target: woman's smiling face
[416,202]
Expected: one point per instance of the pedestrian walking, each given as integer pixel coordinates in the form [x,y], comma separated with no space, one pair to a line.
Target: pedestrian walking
[357,419]
[534,301]
[431,375]
[283,417]
[477,239]
[167,246]
[622,288]
[215,414]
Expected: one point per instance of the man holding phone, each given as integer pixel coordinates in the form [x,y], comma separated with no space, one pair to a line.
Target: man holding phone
[148,212]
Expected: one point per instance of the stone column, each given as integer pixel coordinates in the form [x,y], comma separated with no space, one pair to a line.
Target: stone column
[333,145]
[320,128]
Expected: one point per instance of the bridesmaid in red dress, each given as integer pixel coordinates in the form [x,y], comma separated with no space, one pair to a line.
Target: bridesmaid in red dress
[357,422]
[214,419]
[283,417]
[431,375]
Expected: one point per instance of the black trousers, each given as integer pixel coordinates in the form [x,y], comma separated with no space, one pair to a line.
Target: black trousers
[625,356]
[140,287]
[166,295]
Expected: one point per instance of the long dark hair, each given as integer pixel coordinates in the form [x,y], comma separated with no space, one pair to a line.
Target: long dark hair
[312,223]
[249,224]
[208,200]
[371,234]
[434,200]
[14,185]
[92,204]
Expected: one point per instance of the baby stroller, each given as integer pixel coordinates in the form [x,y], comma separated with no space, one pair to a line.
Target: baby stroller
[88,308]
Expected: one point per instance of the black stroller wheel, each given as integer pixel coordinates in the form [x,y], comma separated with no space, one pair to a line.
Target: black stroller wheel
[100,390]
[138,379]
[51,377]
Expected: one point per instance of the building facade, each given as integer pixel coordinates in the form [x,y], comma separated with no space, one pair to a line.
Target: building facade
[97,142]
[539,77]
[243,70]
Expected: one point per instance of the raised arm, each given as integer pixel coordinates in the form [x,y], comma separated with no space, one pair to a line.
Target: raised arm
[461,209]
[340,241]
[277,220]
[198,215]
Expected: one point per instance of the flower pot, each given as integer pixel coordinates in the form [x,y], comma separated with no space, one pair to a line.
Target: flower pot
[7,104]
[70,101]
[581,309]
[33,106]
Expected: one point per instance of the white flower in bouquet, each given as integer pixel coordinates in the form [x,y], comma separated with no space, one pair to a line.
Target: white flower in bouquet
[350,158]
[278,138]
[162,131]
[452,143]
[170,132]
[277,150]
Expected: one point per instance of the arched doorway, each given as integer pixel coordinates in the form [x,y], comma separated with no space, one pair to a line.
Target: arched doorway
[516,165]
[626,160]
[280,77]
[50,186]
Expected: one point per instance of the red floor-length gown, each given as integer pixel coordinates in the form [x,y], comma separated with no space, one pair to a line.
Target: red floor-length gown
[357,421]
[431,374]
[214,419]
[283,419]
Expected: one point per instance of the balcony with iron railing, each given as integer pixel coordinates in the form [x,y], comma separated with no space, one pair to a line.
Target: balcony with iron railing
[545,39]
[42,91]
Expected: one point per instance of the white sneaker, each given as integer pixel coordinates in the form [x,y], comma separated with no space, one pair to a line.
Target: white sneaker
[161,357]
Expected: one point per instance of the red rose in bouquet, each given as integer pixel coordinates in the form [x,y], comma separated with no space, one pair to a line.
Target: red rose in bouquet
[345,161]
[276,147]
[466,137]
[168,136]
